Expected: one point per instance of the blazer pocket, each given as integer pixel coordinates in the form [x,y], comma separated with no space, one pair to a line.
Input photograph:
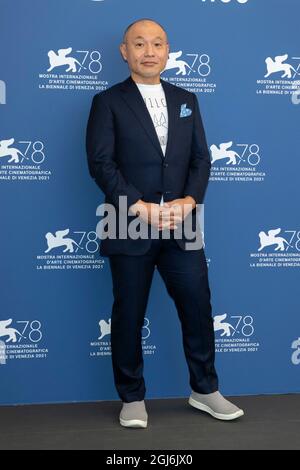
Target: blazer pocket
[184,121]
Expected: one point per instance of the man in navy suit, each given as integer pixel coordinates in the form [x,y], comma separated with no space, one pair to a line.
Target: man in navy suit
[147,152]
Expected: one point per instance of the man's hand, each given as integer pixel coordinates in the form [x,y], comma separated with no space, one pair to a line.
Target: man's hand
[166,216]
[180,208]
[153,214]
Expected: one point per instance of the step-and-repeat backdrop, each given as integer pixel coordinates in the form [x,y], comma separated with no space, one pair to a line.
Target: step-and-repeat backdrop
[242,59]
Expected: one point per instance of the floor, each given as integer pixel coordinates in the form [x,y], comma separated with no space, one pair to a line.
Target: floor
[270,422]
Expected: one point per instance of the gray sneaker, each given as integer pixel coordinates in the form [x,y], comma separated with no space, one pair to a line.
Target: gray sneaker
[134,415]
[216,405]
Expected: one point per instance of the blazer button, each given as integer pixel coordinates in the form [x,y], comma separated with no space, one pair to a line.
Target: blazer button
[166,165]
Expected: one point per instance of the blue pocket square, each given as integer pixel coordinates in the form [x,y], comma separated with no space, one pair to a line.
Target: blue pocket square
[184,111]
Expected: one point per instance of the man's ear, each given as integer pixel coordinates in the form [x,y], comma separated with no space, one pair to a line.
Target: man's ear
[123,51]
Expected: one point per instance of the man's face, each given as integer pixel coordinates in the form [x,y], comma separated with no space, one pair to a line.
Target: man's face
[146,51]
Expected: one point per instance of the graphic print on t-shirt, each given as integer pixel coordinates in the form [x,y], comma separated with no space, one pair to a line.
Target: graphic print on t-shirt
[155,100]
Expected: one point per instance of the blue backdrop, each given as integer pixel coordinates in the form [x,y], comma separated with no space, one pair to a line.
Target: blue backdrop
[242,59]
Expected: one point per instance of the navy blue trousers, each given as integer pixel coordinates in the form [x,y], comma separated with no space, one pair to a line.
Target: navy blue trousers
[186,279]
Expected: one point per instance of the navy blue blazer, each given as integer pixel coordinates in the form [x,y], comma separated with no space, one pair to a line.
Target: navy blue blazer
[125,156]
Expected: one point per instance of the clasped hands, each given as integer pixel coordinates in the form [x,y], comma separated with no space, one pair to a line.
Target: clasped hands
[167,216]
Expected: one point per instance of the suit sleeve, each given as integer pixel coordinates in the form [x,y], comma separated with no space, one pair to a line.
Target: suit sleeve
[200,163]
[100,147]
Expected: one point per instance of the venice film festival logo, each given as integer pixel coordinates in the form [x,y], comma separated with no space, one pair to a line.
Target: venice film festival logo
[68,251]
[236,162]
[277,248]
[74,70]
[23,160]
[190,70]
[102,347]
[235,334]
[281,77]
[296,352]
[14,340]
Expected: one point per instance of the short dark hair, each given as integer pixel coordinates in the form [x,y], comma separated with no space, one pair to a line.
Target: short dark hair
[138,21]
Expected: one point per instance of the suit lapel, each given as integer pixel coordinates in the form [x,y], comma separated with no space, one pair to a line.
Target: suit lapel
[171,104]
[134,100]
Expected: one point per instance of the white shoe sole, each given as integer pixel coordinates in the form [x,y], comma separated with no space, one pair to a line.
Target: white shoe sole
[224,417]
[133,423]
